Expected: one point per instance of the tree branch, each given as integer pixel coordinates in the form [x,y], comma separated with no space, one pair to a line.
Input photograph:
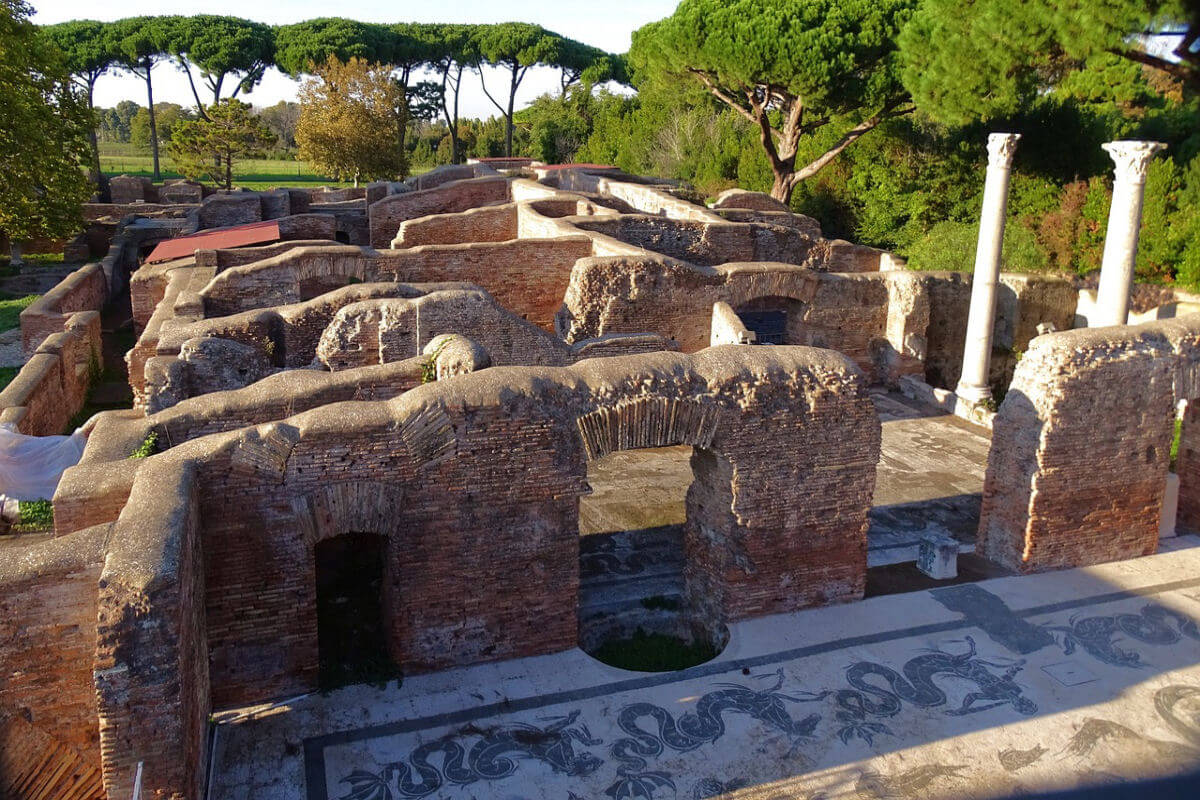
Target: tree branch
[1180,70]
[720,94]
[483,83]
[852,135]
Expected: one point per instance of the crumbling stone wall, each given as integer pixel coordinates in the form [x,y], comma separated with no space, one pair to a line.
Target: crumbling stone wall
[85,289]
[151,662]
[385,216]
[53,384]
[1080,448]
[48,629]
[476,482]
[847,313]
[486,224]
[1022,303]
[383,330]
[526,276]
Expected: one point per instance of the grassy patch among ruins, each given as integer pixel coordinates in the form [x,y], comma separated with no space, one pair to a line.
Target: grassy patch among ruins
[653,652]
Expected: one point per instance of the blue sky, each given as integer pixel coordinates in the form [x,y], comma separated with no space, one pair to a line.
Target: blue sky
[606,24]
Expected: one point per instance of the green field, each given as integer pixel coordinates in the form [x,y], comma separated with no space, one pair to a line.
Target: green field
[125,159]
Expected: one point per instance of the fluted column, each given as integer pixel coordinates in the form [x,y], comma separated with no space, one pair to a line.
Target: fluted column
[977,350]
[1121,239]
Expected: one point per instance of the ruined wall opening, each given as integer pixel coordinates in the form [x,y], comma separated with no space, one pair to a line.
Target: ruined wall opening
[351,633]
[775,320]
[634,608]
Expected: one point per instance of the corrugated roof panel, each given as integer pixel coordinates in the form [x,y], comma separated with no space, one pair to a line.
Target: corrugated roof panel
[216,239]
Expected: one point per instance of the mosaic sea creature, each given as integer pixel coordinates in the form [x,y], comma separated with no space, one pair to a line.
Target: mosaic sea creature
[494,756]
[915,686]
[1098,636]
[695,728]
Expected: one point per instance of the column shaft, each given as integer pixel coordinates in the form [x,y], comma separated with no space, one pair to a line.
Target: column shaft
[977,349]
[1121,239]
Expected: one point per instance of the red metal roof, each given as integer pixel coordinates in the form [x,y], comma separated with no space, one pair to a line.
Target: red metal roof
[215,239]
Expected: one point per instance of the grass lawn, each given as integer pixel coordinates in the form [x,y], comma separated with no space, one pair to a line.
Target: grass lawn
[124,159]
[10,310]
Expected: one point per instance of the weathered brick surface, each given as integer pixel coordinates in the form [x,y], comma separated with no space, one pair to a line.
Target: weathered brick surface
[487,224]
[48,639]
[85,289]
[386,215]
[383,330]
[224,210]
[1080,449]
[1022,303]
[52,385]
[470,516]
[151,661]
[526,276]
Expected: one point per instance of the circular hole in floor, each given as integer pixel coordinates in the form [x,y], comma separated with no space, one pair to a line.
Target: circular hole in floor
[656,636]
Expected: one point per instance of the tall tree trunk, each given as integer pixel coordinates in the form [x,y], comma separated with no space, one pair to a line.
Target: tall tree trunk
[228,171]
[456,155]
[153,123]
[512,99]
[96,176]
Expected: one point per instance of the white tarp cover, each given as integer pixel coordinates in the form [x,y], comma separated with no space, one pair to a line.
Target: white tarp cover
[30,466]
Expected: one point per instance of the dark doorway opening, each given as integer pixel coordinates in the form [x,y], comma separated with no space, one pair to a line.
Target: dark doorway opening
[351,638]
[770,327]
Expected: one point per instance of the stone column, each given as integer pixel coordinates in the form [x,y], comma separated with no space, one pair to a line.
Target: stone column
[1121,239]
[977,351]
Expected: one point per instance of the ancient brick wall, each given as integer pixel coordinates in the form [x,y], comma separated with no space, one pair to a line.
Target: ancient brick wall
[526,276]
[237,256]
[487,224]
[52,386]
[1187,467]
[238,208]
[1022,303]
[642,198]
[379,331]
[151,662]
[48,637]
[848,313]
[476,483]
[83,290]
[386,215]
[1080,447]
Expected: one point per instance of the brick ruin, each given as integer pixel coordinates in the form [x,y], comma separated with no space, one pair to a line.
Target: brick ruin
[436,363]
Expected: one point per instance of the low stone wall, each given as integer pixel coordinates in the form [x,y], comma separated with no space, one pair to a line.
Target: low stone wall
[487,224]
[385,216]
[708,243]
[52,386]
[383,330]
[1081,445]
[48,611]
[727,327]
[644,198]
[1022,303]
[85,289]
[151,662]
[526,276]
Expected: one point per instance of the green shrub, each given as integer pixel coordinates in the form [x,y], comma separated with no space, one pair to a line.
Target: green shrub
[148,447]
[36,515]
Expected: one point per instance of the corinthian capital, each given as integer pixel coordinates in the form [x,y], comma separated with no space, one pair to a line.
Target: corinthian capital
[1001,147]
[1132,158]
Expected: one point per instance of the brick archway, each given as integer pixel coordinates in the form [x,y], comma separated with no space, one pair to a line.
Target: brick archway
[351,507]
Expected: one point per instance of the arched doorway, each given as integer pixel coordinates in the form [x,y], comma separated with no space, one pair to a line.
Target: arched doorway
[351,633]
[775,320]
[645,518]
